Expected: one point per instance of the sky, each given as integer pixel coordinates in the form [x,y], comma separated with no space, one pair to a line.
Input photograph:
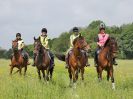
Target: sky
[30,16]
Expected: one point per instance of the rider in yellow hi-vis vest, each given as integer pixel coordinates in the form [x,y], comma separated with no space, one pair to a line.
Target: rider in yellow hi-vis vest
[44,41]
[72,38]
[21,46]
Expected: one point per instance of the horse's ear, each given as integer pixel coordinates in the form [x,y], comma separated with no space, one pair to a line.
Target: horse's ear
[34,38]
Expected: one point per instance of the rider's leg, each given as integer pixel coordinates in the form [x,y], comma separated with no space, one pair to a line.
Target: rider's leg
[52,57]
[96,57]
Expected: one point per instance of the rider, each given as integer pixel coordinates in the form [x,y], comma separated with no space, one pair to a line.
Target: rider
[21,47]
[74,35]
[44,42]
[101,40]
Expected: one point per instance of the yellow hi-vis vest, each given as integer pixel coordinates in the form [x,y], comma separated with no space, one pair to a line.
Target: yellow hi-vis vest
[72,38]
[44,41]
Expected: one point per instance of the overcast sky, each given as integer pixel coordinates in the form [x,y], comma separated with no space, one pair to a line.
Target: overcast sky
[29,16]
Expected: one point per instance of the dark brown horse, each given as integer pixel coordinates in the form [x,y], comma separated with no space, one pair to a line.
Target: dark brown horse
[105,59]
[17,59]
[77,59]
[42,60]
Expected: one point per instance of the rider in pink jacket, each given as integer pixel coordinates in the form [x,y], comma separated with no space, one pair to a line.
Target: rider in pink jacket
[101,40]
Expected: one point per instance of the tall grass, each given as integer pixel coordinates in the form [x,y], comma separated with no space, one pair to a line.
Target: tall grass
[29,87]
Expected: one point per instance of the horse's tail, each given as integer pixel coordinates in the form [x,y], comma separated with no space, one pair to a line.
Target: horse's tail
[60,56]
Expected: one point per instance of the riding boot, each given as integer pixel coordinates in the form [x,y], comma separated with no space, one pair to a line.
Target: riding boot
[52,58]
[52,61]
[114,62]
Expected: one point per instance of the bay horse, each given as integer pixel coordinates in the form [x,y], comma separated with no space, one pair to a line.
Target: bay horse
[105,59]
[17,59]
[77,59]
[42,60]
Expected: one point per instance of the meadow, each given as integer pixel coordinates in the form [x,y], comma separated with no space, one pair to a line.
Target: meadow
[30,87]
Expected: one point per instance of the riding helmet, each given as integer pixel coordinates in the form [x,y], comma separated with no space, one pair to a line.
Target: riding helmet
[44,30]
[75,29]
[18,34]
[102,26]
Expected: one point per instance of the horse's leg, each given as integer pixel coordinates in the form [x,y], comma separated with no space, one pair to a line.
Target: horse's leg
[76,74]
[70,76]
[74,77]
[43,72]
[107,75]
[82,73]
[99,71]
[47,75]
[51,73]
[112,78]
[20,70]
[25,69]
[39,75]
[11,69]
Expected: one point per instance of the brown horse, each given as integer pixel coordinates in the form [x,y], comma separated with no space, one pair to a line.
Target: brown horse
[42,60]
[77,59]
[105,60]
[17,59]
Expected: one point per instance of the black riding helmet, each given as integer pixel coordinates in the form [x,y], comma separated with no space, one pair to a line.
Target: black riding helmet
[75,29]
[18,34]
[44,30]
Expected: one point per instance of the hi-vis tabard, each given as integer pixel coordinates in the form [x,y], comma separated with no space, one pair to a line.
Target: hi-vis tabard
[44,41]
[20,44]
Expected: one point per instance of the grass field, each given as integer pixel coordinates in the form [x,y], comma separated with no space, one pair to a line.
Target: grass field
[29,87]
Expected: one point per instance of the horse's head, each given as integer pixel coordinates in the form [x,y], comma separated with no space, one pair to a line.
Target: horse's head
[112,43]
[37,45]
[14,45]
[81,43]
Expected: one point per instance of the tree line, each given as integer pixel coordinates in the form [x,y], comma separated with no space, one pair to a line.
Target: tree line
[123,34]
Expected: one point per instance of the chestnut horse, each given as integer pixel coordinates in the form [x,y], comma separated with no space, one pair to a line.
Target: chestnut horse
[42,60]
[77,59]
[105,60]
[17,59]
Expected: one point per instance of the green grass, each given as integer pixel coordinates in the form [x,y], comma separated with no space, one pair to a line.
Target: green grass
[29,87]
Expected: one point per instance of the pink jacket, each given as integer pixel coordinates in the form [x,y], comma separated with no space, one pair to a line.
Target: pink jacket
[102,39]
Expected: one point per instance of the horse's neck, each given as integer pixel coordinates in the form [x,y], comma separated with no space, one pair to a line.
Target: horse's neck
[42,54]
[16,54]
[77,52]
[107,51]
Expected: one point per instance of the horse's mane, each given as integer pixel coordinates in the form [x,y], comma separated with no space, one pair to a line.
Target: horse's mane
[108,40]
[78,38]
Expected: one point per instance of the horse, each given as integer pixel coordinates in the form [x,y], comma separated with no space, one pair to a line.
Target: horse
[77,59]
[42,60]
[17,59]
[105,60]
